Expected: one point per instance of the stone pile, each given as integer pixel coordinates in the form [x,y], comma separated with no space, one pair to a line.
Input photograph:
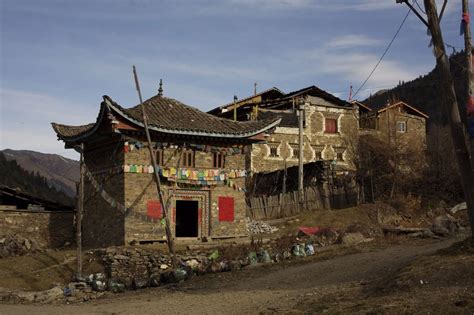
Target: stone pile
[259,227]
[16,245]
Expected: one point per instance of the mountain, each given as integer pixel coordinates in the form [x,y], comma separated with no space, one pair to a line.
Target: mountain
[14,176]
[425,92]
[60,172]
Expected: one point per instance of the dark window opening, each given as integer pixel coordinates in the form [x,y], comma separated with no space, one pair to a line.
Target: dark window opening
[160,157]
[273,151]
[319,155]
[296,153]
[339,156]
[187,218]
[187,159]
[218,160]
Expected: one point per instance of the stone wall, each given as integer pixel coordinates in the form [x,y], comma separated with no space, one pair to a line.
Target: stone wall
[103,224]
[318,145]
[47,228]
[140,189]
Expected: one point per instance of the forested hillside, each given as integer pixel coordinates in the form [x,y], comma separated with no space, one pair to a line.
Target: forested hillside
[425,92]
[13,176]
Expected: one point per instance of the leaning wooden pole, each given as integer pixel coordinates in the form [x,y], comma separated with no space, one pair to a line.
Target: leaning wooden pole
[169,237]
[79,212]
[452,110]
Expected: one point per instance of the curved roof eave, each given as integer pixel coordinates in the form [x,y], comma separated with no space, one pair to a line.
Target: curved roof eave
[191,133]
[88,132]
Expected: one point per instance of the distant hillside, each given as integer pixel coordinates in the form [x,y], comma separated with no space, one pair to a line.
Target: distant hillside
[14,176]
[60,172]
[425,92]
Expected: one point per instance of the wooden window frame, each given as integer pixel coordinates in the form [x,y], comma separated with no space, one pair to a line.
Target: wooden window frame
[273,150]
[329,130]
[401,123]
[295,152]
[160,157]
[218,160]
[188,158]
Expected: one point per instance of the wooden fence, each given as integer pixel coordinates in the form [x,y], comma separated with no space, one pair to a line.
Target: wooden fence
[287,204]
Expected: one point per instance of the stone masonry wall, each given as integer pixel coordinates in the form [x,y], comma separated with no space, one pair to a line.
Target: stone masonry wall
[47,228]
[103,224]
[140,188]
[315,139]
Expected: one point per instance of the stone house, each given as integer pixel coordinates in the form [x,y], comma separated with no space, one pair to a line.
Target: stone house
[202,166]
[400,125]
[330,127]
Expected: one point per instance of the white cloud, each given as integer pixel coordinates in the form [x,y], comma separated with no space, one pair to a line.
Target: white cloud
[351,41]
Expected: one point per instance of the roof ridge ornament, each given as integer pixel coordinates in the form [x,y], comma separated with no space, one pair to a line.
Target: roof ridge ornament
[160,89]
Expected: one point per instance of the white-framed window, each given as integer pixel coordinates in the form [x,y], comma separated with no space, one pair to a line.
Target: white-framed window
[273,147]
[401,126]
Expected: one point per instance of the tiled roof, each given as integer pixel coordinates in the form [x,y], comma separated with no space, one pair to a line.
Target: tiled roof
[71,131]
[171,116]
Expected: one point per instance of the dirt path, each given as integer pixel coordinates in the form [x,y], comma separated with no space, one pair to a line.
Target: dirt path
[252,290]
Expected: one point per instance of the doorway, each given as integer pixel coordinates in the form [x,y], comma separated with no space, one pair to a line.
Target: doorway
[187,218]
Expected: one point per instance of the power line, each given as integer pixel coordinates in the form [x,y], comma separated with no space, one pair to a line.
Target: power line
[384,53]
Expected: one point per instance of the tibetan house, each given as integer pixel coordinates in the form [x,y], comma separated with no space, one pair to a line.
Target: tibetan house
[330,128]
[202,166]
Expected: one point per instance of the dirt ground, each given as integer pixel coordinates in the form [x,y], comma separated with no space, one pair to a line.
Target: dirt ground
[395,276]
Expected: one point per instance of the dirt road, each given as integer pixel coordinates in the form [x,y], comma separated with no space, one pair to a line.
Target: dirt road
[253,290]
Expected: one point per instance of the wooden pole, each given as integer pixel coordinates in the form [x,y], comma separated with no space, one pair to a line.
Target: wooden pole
[468,51]
[169,237]
[452,111]
[79,212]
[300,156]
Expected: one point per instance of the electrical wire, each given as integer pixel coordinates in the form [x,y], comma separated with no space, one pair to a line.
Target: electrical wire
[419,7]
[384,53]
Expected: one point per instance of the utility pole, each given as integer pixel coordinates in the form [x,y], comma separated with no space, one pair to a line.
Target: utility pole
[452,110]
[300,155]
[468,50]
[79,212]
[169,237]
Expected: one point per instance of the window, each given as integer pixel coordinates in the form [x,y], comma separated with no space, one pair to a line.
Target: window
[273,150]
[296,152]
[218,160]
[401,126]
[318,152]
[187,159]
[339,153]
[331,125]
[160,157]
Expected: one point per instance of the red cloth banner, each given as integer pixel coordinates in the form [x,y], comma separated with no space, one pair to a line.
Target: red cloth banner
[226,209]
[153,209]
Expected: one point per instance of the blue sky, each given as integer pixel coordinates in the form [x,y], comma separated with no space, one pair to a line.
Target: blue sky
[59,57]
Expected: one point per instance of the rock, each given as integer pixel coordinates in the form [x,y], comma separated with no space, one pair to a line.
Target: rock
[155,280]
[140,282]
[50,295]
[98,285]
[444,225]
[259,227]
[114,286]
[26,296]
[353,238]
[164,266]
